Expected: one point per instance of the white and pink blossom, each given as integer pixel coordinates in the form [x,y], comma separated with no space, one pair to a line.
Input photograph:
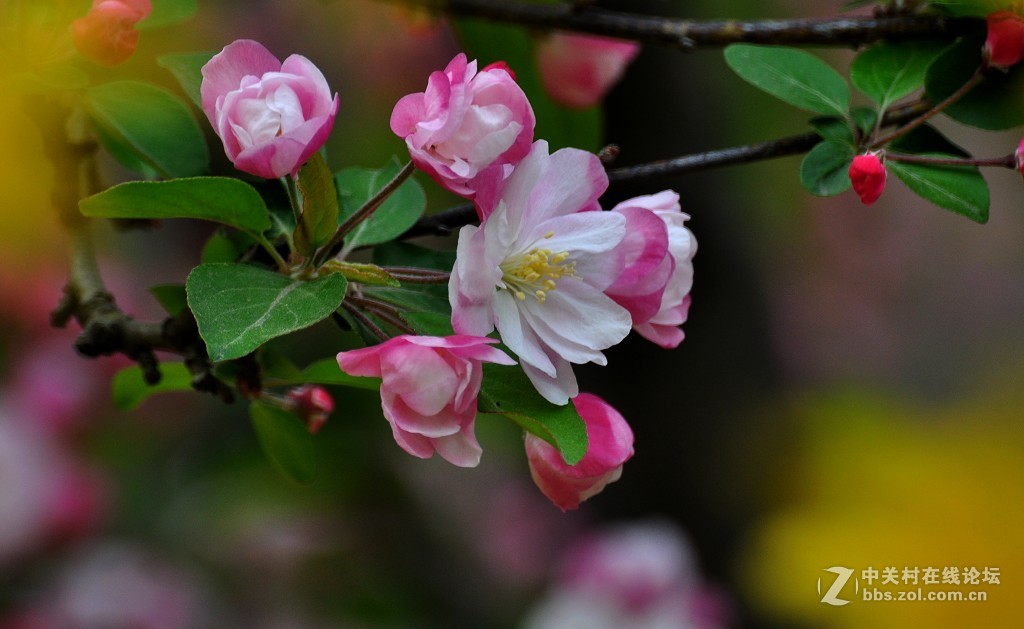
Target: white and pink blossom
[464,123]
[428,390]
[578,70]
[271,116]
[537,267]
[609,446]
[658,267]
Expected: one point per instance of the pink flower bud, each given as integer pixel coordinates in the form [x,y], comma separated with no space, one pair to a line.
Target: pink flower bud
[312,403]
[428,390]
[610,444]
[578,70]
[1004,46]
[271,116]
[1020,157]
[106,34]
[867,174]
[464,123]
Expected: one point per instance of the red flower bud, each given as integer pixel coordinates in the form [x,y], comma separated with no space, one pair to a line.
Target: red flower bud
[500,65]
[311,403]
[1005,44]
[867,174]
[106,34]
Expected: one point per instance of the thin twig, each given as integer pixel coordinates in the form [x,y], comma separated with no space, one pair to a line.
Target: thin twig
[1009,161]
[358,315]
[691,34]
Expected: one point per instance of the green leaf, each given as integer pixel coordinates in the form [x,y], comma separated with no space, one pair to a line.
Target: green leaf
[151,124]
[960,189]
[395,215]
[319,218]
[171,296]
[834,129]
[187,69]
[794,76]
[507,390]
[221,199]
[225,246]
[285,441]
[891,70]
[239,307]
[977,8]
[167,12]
[407,254]
[864,118]
[825,169]
[489,41]
[995,104]
[129,390]
[324,371]
[429,323]
[926,139]
[369,274]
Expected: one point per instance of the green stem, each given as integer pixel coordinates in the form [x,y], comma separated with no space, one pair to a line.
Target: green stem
[363,213]
[272,251]
[975,79]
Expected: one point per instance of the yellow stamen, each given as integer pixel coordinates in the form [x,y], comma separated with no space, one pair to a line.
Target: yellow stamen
[536,271]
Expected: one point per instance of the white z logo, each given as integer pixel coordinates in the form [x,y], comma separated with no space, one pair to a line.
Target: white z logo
[842,576]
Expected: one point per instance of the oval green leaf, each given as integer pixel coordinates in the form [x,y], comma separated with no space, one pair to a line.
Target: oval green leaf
[319,218]
[507,390]
[794,76]
[960,189]
[285,441]
[240,307]
[187,69]
[997,103]
[825,169]
[220,199]
[891,70]
[168,12]
[150,124]
[129,390]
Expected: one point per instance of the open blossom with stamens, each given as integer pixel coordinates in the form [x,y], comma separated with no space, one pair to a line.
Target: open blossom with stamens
[537,268]
[658,273]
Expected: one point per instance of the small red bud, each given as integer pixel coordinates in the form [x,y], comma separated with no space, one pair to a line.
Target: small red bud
[1004,46]
[312,403]
[867,174]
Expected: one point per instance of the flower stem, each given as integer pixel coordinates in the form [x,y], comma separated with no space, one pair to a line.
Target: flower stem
[415,275]
[363,213]
[975,79]
[272,251]
[358,315]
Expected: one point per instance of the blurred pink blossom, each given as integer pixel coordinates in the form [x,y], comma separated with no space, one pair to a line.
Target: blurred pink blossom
[428,390]
[465,123]
[1004,46]
[609,446]
[106,34]
[312,403]
[578,70]
[271,116]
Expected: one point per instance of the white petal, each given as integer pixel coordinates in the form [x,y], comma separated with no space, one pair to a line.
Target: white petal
[518,336]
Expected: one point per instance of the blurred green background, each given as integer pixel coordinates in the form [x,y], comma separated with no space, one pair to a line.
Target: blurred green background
[848,394]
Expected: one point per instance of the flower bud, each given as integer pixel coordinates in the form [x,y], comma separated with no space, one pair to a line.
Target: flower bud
[867,174]
[1020,157]
[578,70]
[311,403]
[1004,46]
[106,34]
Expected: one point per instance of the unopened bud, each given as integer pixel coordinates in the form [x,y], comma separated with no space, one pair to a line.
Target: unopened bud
[106,34]
[1020,157]
[1004,46]
[867,174]
[312,403]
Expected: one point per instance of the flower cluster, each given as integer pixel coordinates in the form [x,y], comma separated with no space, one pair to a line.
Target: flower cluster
[558,278]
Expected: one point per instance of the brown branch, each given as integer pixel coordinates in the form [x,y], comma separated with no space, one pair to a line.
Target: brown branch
[691,34]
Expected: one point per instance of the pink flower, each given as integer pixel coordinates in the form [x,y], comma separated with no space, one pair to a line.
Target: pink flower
[867,174]
[106,34]
[537,267]
[428,390]
[1004,46]
[312,403]
[1020,157]
[271,116]
[610,444]
[464,123]
[578,70]
[658,275]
